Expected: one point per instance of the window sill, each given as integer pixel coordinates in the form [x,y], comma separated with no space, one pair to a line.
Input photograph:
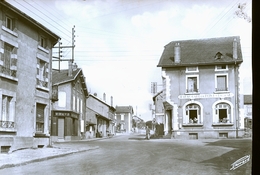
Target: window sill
[43,49]
[8,77]
[10,31]
[41,135]
[221,92]
[222,124]
[192,124]
[192,93]
[42,88]
[8,130]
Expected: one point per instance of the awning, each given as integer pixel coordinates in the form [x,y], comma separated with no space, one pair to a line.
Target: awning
[104,118]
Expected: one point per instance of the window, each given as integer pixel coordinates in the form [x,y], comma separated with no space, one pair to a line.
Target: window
[222,111]
[221,82]
[7,60]
[192,69]
[193,113]
[9,23]
[7,119]
[42,73]
[122,117]
[40,117]
[192,84]
[42,42]
[221,67]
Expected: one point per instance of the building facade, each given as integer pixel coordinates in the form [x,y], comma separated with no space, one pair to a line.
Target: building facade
[124,117]
[25,80]
[201,94]
[99,117]
[69,104]
[159,116]
[248,111]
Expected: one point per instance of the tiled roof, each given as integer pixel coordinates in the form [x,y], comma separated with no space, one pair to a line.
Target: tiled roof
[59,77]
[247,99]
[124,109]
[201,52]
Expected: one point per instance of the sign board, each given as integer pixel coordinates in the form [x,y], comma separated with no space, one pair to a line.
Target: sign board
[206,96]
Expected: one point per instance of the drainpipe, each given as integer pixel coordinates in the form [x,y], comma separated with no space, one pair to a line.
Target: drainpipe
[236,99]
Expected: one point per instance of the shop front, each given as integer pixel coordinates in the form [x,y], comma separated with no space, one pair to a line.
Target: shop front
[64,126]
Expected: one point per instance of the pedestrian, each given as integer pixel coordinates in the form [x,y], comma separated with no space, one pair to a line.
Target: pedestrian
[147,133]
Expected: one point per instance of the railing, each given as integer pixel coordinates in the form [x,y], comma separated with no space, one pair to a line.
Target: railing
[6,124]
[222,89]
[7,71]
[192,90]
[42,83]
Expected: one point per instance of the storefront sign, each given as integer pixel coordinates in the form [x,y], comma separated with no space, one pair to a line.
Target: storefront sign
[65,114]
[205,96]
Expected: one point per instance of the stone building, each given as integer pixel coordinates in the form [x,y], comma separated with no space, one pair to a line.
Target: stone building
[99,117]
[25,80]
[201,82]
[124,116]
[69,104]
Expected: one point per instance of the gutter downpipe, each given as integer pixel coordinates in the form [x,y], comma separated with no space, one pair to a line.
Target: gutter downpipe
[236,99]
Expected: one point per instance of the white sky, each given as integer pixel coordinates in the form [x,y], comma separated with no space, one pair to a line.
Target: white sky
[119,42]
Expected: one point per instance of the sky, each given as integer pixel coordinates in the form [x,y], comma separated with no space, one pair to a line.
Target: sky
[118,43]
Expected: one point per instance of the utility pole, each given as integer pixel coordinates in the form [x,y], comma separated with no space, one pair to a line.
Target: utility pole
[60,47]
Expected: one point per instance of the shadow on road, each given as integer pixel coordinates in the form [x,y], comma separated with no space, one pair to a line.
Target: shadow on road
[224,162]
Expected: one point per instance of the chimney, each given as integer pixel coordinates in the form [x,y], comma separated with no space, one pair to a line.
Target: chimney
[104,97]
[70,69]
[111,101]
[74,67]
[177,53]
[235,49]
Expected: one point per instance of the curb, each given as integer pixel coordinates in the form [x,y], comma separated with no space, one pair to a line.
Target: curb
[47,158]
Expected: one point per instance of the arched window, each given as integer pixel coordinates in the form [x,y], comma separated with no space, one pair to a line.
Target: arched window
[193,113]
[222,112]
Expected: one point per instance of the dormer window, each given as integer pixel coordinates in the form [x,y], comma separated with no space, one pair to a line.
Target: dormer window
[218,55]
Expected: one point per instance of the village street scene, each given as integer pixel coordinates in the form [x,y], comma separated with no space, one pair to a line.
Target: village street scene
[126,87]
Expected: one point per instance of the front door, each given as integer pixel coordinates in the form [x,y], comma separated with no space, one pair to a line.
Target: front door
[61,128]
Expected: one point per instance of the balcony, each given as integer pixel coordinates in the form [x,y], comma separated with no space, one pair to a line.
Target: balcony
[221,89]
[7,71]
[6,124]
[192,91]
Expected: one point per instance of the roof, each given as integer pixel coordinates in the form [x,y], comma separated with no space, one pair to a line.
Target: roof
[154,97]
[100,100]
[247,99]
[201,52]
[61,77]
[31,20]
[124,109]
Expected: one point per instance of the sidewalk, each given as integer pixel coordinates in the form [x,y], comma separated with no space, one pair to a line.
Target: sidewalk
[25,156]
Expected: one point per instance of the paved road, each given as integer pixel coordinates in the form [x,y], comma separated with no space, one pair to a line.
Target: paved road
[134,155]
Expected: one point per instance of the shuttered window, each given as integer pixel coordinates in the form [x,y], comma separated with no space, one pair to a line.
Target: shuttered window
[40,117]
